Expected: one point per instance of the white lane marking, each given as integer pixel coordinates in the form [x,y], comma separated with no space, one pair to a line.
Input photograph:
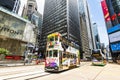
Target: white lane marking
[20,75]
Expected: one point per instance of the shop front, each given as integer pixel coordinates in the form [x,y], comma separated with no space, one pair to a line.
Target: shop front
[12,32]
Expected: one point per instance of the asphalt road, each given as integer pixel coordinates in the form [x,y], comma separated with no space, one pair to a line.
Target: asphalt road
[85,72]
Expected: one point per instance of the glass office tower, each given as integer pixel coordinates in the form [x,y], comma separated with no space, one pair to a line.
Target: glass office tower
[61,16]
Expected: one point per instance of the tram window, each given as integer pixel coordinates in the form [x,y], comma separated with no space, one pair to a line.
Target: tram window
[51,38]
[60,53]
[67,55]
[95,51]
[71,56]
[55,53]
[50,53]
[64,55]
[48,39]
[56,38]
[75,56]
[47,54]
[60,39]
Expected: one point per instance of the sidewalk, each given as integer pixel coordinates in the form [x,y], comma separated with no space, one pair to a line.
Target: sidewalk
[17,63]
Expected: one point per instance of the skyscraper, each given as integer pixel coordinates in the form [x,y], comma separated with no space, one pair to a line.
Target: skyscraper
[61,16]
[30,12]
[111,4]
[11,5]
[116,6]
[85,29]
[96,38]
[29,9]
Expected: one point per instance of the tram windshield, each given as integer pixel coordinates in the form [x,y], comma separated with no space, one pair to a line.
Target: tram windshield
[51,39]
[96,55]
[52,53]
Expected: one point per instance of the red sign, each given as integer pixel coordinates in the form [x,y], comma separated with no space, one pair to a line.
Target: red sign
[105,11]
[14,57]
[118,14]
[113,17]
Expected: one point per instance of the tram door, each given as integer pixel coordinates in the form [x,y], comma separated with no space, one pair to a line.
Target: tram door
[60,59]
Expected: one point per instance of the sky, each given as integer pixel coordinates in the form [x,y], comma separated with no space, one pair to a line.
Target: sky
[96,16]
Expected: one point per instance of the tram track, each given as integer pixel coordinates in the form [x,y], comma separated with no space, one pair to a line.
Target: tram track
[99,73]
[37,76]
[14,72]
[33,75]
[23,76]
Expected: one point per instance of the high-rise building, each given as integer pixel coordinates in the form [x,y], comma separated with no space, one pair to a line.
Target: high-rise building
[11,5]
[113,31]
[111,4]
[30,12]
[116,7]
[61,16]
[85,29]
[29,9]
[96,38]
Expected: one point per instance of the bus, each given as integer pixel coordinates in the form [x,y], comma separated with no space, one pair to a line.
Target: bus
[60,53]
[98,58]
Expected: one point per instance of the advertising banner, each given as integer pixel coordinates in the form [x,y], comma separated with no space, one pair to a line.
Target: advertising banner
[105,11]
[114,37]
[115,47]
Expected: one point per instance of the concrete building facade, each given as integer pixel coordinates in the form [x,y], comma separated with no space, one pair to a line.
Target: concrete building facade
[85,29]
[15,32]
[30,12]
[29,9]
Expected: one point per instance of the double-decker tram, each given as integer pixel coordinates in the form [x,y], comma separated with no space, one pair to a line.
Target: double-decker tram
[98,58]
[60,53]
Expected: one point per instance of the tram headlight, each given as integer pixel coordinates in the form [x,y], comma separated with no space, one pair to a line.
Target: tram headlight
[47,62]
[56,67]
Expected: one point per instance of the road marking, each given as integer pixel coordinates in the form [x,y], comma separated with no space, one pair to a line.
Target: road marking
[20,75]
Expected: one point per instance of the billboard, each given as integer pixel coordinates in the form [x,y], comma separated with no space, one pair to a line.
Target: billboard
[115,47]
[113,29]
[105,11]
[114,37]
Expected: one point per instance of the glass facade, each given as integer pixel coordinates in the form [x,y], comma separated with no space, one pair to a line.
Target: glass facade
[116,6]
[73,21]
[8,4]
[11,5]
[60,16]
[114,11]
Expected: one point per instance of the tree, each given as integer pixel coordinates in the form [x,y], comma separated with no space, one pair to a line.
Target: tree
[3,53]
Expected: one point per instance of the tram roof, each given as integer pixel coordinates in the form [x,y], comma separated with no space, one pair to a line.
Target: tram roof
[54,34]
